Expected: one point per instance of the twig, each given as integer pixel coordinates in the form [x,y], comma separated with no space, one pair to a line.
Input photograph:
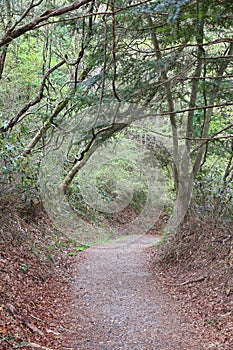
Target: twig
[179,111]
[32,345]
[40,95]
[199,279]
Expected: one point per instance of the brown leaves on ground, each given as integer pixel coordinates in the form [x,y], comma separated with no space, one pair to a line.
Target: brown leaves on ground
[195,268]
[35,290]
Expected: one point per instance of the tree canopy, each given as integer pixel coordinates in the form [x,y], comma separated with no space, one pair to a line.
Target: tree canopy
[59,57]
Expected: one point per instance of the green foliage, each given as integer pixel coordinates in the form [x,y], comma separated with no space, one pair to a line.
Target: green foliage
[173,7]
[24,268]
[17,171]
[136,68]
[119,171]
[72,253]
[212,196]
[79,248]
[82,247]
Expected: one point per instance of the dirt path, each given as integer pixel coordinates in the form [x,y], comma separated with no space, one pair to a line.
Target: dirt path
[119,305]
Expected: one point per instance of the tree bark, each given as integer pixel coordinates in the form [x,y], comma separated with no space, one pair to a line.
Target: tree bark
[2,60]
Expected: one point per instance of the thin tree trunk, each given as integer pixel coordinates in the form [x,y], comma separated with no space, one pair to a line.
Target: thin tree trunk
[4,49]
[170,102]
[201,14]
[2,60]
[41,132]
[181,161]
[75,169]
[14,120]
[209,112]
[192,103]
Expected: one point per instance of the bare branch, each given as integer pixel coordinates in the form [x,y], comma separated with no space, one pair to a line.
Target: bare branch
[213,137]
[225,104]
[207,139]
[13,121]
[26,12]
[40,133]
[12,34]
[92,146]
[99,13]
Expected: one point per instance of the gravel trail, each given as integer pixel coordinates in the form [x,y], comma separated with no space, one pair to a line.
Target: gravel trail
[119,304]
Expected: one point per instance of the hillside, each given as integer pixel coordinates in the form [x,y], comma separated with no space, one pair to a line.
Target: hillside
[37,284]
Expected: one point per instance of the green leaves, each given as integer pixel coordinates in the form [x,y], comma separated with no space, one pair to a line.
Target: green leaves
[82,247]
[24,268]
[79,248]
[173,7]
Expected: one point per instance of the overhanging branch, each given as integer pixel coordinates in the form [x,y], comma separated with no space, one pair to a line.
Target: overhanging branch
[10,35]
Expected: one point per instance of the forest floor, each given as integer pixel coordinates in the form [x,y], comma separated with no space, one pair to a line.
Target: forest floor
[120,305]
[123,295]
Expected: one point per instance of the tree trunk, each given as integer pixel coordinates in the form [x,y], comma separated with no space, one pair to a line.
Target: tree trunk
[209,112]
